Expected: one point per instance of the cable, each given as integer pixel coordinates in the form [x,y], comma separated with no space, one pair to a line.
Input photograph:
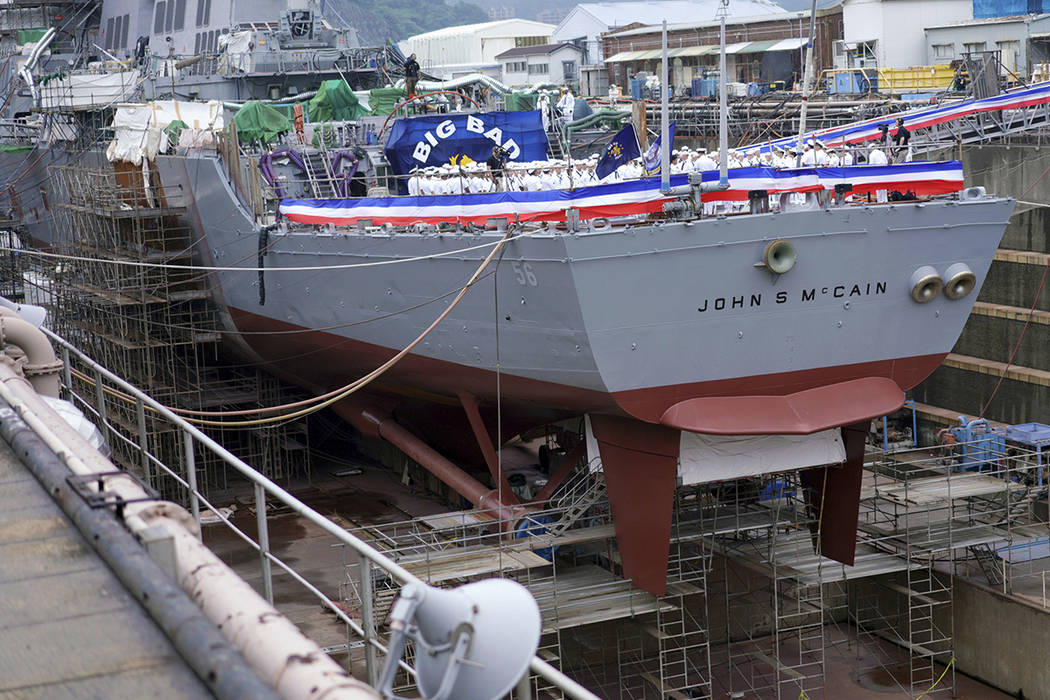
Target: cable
[938,681]
[358,384]
[1017,345]
[298,331]
[305,268]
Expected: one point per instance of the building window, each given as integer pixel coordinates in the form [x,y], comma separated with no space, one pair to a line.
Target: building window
[197,43]
[158,17]
[203,12]
[109,34]
[124,31]
[517,67]
[1009,53]
[539,69]
[180,14]
[521,41]
[973,47]
[944,51]
[568,70]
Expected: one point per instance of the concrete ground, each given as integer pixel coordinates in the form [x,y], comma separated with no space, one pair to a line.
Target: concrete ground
[377,496]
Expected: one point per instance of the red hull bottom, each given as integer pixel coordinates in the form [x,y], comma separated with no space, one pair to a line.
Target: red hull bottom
[637,430]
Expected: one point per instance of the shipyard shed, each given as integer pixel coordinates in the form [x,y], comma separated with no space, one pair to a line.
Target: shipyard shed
[472,48]
[1023,42]
[585,23]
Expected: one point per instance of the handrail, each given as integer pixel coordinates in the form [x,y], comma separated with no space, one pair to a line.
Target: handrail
[537,665]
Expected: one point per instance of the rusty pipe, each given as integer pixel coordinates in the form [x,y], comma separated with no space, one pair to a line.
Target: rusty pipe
[372,422]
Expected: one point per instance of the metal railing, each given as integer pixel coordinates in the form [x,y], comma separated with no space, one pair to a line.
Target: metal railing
[264,488]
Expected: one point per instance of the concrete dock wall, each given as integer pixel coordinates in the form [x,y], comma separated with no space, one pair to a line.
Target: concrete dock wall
[964,384]
[1002,640]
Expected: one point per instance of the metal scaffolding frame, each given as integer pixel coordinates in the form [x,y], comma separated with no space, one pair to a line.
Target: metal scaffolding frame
[937,511]
[155,325]
[749,602]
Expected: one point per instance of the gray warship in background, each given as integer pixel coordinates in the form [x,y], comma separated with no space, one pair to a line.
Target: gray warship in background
[649,325]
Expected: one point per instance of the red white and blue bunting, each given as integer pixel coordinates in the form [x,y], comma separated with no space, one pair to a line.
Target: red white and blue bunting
[914,119]
[621,198]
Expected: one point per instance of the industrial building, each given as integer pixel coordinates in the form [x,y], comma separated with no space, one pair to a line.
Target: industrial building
[472,48]
[525,66]
[1021,43]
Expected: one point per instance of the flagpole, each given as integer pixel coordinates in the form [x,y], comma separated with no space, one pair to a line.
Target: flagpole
[665,146]
[723,107]
[807,77]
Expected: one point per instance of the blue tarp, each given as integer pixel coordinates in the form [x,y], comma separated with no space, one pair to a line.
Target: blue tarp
[1008,8]
[435,140]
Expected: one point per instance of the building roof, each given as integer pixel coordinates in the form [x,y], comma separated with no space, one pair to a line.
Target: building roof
[619,14]
[537,50]
[990,20]
[512,26]
[780,17]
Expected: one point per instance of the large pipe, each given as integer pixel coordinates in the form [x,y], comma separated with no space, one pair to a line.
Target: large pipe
[278,652]
[195,638]
[42,367]
[373,422]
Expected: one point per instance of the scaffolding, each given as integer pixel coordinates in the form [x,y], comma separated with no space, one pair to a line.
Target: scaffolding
[155,325]
[943,512]
[751,608]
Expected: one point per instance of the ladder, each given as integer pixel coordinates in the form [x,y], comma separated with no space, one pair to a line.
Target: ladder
[989,563]
[318,172]
[581,492]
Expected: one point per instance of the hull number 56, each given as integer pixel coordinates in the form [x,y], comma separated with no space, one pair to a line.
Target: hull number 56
[524,273]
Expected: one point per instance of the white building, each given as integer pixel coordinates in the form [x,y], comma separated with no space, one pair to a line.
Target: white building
[1023,42]
[891,33]
[472,48]
[585,23]
[533,65]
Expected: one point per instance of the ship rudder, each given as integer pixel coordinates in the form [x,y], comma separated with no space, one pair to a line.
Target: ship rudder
[833,494]
[640,462]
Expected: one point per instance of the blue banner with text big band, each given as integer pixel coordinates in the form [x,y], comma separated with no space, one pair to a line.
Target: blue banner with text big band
[420,142]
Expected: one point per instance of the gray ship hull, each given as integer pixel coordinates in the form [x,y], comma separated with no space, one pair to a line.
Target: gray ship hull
[628,319]
[651,329]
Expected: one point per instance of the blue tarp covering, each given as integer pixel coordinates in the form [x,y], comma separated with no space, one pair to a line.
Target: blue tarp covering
[1008,8]
[435,140]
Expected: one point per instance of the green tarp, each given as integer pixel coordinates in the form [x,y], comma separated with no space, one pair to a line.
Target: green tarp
[173,129]
[259,122]
[15,148]
[30,35]
[520,101]
[383,100]
[335,102]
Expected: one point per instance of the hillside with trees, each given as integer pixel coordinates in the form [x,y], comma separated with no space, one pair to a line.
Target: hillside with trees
[379,20]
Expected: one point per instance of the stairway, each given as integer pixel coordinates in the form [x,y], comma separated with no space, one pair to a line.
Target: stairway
[580,492]
[319,174]
[989,562]
[554,147]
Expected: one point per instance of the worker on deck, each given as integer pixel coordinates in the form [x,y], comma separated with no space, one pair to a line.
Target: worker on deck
[411,75]
[901,140]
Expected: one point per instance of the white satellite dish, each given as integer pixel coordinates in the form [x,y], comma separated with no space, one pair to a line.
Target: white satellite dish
[473,642]
[33,314]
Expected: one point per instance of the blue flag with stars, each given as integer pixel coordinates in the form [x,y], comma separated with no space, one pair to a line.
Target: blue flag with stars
[622,148]
[651,162]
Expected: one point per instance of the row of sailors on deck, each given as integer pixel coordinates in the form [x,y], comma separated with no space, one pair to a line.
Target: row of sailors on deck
[476,178]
